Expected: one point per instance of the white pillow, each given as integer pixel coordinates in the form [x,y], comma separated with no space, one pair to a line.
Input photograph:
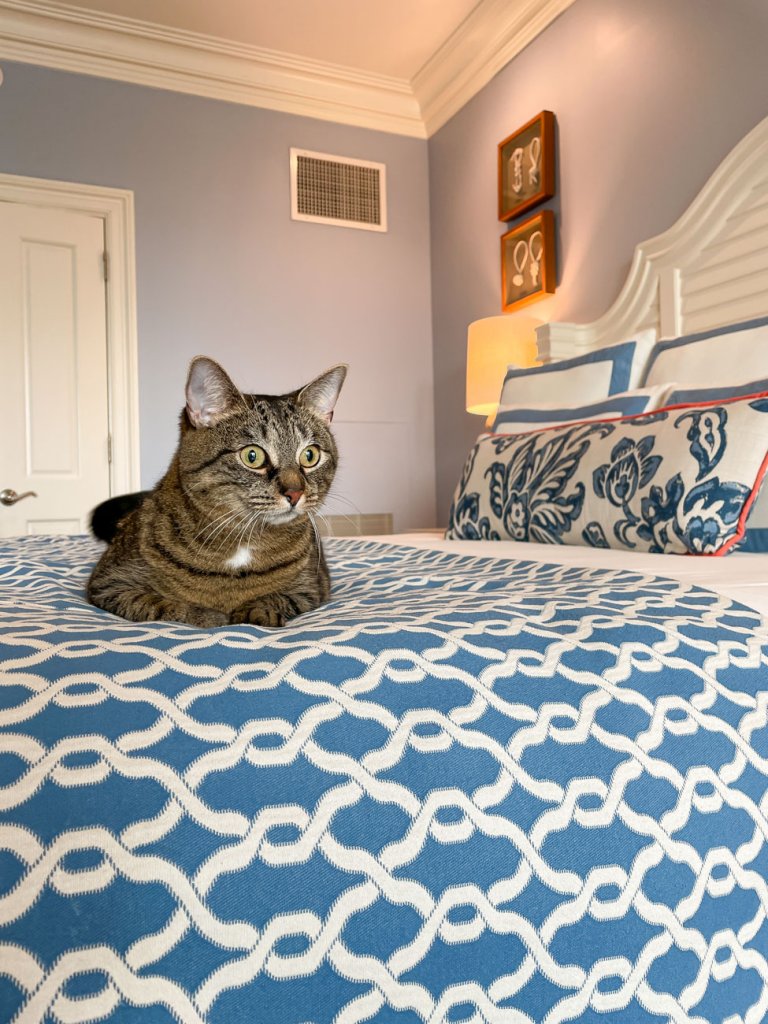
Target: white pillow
[723,356]
[588,378]
[516,420]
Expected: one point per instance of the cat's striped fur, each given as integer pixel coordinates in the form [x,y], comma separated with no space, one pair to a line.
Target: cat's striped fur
[227,535]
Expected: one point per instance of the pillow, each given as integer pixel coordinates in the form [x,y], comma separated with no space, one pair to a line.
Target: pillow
[727,355]
[596,375]
[756,537]
[677,395]
[516,420]
[673,481]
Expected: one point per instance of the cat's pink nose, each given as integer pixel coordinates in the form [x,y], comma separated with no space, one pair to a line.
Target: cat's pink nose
[293,496]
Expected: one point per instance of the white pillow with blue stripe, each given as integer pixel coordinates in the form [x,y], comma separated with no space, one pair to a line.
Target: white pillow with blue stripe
[679,395]
[728,355]
[756,537]
[588,378]
[520,420]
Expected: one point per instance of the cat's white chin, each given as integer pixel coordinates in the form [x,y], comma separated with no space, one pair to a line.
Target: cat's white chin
[286,516]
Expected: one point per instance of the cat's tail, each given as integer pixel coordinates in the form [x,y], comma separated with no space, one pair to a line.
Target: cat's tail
[106,516]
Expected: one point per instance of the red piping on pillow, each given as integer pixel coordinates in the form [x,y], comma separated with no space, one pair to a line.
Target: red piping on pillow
[744,513]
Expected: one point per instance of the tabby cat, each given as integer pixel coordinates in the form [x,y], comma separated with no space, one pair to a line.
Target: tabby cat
[227,535]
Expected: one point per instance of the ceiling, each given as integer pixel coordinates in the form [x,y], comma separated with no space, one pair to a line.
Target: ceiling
[395,65]
[395,37]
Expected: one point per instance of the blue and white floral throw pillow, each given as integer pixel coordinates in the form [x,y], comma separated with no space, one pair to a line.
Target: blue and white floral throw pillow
[679,480]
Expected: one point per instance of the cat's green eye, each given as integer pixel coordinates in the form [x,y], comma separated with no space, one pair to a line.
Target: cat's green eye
[310,456]
[253,457]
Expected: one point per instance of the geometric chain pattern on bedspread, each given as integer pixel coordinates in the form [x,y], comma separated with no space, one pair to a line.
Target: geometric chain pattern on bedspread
[466,789]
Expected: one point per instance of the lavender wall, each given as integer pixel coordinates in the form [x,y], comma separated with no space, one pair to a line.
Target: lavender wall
[649,96]
[223,270]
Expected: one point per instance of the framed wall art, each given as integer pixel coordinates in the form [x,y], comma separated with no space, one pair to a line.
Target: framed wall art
[528,261]
[527,166]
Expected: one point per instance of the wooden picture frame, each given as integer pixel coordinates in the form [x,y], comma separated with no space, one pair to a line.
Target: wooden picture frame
[526,164]
[528,261]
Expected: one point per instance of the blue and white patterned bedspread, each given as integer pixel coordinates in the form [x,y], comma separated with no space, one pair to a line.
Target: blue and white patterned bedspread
[466,790]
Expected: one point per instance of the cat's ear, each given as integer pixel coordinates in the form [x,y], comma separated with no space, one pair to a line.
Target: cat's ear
[211,395]
[320,395]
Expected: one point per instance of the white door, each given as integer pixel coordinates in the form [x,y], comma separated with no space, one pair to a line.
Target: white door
[53,369]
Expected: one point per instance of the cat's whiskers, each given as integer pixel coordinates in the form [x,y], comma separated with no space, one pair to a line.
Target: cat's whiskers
[228,526]
[259,519]
[314,509]
[251,519]
[256,517]
[212,523]
[241,525]
[337,496]
[218,524]
[324,520]
[318,541]
[341,515]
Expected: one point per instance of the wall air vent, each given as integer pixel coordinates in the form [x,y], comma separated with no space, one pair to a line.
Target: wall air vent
[338,190]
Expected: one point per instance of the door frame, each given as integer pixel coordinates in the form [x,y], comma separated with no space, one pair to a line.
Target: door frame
[115,207]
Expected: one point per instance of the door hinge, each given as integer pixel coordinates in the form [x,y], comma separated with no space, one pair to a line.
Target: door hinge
[109,448]
[105,262]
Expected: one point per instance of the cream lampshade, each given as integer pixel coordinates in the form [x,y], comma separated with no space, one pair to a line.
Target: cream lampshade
[493,344]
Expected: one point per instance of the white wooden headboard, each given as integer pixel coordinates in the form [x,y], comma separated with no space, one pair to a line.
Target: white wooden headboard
[707,270]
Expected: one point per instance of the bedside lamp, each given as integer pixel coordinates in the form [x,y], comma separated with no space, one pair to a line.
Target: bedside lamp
[493,344]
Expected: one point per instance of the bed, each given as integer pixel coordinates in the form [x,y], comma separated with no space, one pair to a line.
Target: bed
[489,781]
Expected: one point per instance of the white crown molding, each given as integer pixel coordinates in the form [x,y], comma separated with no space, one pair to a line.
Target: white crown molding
[494,33]
[70,38]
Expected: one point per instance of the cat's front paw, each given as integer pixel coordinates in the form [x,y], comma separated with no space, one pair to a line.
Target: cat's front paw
[189,614]
[272,614]
[205,617]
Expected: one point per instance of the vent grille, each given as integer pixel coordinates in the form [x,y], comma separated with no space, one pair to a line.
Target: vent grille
[337,190]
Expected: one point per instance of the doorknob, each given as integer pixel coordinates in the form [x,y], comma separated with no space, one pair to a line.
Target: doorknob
[10,497]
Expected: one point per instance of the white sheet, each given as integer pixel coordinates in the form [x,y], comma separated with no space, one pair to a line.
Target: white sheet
[742,577]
